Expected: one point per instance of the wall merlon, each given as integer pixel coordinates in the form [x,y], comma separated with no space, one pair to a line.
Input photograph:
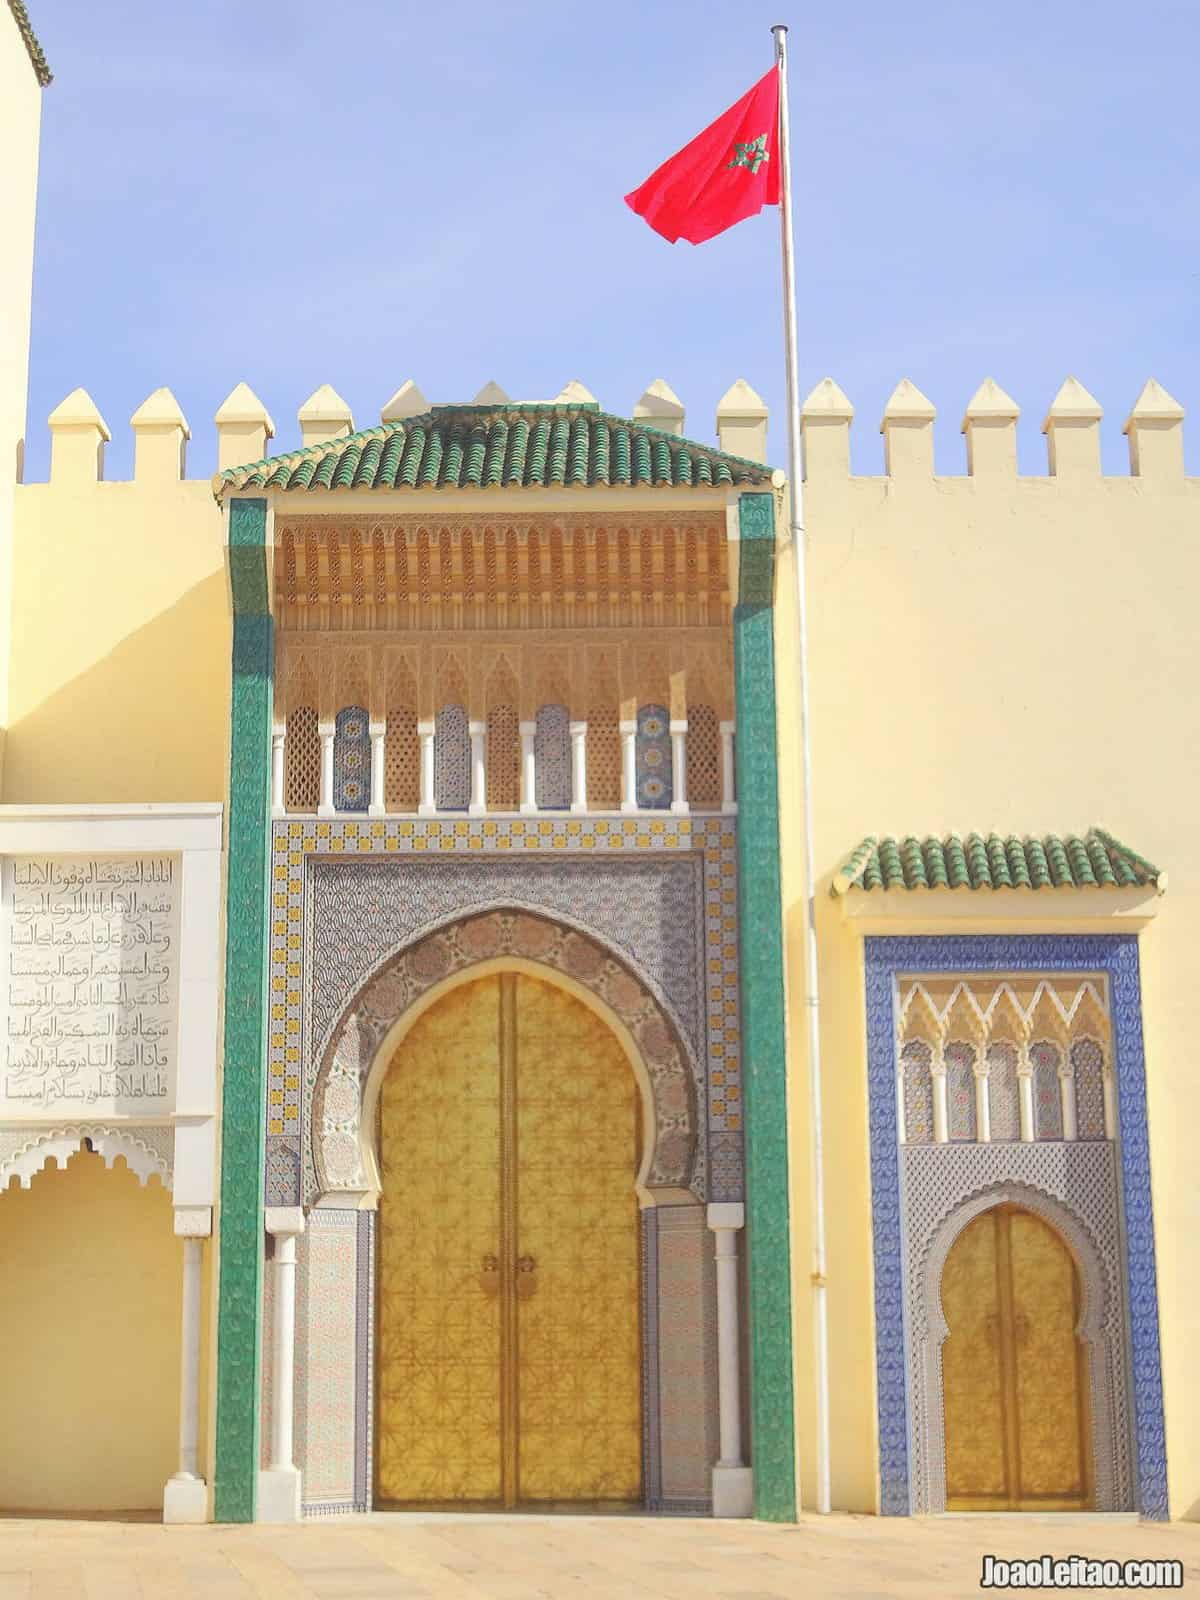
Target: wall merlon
[408,401]
[1154,429]
[160,434]
[575,393]
[990,428]
[907,429]
[78,434]
[661,407]
[1072,429]
[825,420]
[742,422]
[323,416]
[491,395]
[243,427]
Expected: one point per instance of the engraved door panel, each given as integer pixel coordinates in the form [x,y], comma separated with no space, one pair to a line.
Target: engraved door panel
[1050,1372]
[577,1295]
[439,1357]
[973,1378]
[1016,1400]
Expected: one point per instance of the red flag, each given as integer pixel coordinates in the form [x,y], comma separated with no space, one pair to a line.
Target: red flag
[727,173]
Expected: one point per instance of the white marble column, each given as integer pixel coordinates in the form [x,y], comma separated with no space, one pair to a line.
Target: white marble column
[279,1484]
[528,767]
[325,808]
[425,733]
[732,1479]
[1025,1096]
[728,781]
[983,1109]
[277,770]
[578,732]
[185,1497]
[941,1107]
[378,734]
[478,805]
[679,799]
[628,766]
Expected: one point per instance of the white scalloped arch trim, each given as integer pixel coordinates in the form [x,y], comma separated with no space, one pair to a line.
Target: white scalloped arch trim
[60,1144]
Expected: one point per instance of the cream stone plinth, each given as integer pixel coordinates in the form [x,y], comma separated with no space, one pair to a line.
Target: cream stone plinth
[279,1494]
[732,1491]
[185,1500]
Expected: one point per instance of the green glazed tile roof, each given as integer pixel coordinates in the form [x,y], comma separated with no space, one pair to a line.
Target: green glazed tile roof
[500,447]
[992,861]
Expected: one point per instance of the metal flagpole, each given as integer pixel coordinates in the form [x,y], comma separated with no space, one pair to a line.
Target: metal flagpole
[812,991]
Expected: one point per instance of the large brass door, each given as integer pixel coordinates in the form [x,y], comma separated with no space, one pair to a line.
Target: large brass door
[1014,1374]
[509,1362]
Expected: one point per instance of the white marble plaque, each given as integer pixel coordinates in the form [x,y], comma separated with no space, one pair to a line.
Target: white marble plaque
[91,984]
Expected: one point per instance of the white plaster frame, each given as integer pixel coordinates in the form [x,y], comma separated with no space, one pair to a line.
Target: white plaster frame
[962,910]
[194,833]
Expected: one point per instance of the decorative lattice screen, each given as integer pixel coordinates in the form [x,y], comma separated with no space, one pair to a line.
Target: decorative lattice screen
[603,759]
[401,761]
[503,759]
[302,770]
[703,757]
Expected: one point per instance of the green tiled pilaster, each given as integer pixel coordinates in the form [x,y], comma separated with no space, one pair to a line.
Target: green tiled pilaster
[763,1054]
[240,1285]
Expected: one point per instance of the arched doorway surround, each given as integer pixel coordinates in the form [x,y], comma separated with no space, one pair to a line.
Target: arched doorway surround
[376,1021]
[334,1236]
[1099,1331]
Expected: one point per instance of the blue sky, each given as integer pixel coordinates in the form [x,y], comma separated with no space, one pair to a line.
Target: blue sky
[359,194]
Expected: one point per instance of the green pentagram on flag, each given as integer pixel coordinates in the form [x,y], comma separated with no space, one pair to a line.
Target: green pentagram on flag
[751,155]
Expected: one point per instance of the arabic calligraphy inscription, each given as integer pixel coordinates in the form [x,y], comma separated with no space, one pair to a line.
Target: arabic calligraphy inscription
[91,983]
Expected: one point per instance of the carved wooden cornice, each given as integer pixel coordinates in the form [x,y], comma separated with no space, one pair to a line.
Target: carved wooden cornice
[572,570]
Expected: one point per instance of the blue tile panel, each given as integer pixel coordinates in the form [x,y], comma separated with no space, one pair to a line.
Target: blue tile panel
[1116,955]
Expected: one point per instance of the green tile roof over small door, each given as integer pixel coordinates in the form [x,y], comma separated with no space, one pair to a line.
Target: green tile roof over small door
[511,446]
[997,861]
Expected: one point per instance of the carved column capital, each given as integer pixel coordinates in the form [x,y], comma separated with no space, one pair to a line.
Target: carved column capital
[193,1222]
[285,1219]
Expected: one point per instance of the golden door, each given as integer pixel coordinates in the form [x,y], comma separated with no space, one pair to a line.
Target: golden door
[1014,1373]
[509,1340]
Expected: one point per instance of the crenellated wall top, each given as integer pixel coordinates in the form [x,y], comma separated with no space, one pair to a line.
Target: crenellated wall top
[245,428]
[1153,428]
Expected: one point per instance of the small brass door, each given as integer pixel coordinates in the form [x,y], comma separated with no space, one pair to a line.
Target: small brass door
[1014,1372]
[509,1365]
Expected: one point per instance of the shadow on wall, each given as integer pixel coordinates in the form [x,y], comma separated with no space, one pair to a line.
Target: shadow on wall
[149,721]
[89,1341]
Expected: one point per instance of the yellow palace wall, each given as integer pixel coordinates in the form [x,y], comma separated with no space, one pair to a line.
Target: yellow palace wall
[119,677]
[989,651]
[89,1340]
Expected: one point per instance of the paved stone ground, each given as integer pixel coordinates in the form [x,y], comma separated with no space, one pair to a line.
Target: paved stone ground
[395,1557]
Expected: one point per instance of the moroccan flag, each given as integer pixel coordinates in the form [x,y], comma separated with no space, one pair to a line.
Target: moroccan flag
[727,173]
